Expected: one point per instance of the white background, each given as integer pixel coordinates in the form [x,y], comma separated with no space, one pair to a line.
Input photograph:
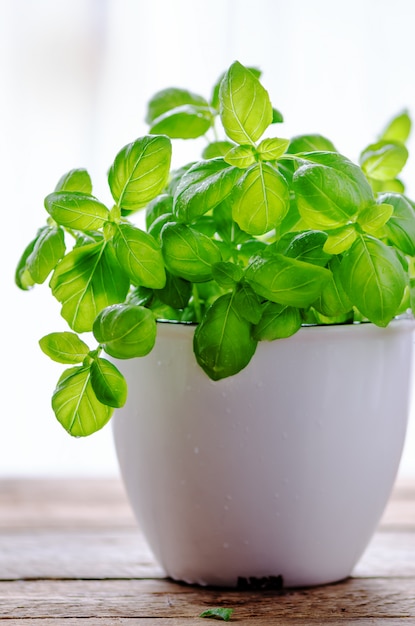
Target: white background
[75,76]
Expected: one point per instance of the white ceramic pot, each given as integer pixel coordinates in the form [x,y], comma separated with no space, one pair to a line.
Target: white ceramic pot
[281,470]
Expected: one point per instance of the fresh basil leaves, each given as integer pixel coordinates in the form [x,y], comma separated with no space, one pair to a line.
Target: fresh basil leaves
[258,237]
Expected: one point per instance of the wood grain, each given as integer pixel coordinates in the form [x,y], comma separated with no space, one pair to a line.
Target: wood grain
[76,554]
[269,620]
[71,553]
[64,503]
[125,554]
[352,599]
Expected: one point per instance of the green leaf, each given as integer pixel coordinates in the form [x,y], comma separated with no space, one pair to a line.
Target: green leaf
[260,200]
[75,180]
[226,228]
[398,129]
[22,276]
[241,156]
[184,122]
[272,149]
[251,248]
[140,172]
[310,143]
[383,160]
[164,312]
[277,322]
[286,281]
[245,107]
[40,257]
[228,252]
[88,279]
[373,278]
[203,187]
[75,404]
[176,292]
[140,296]
[108,383]
[158,224]
[286,167]
[125,330]
[140,256]
[247,303]
[75,210]
[84,239]
[208,291]
[175,177]
[64,347]
[171,98]
[223,344]
[48,250]
[330,190]
[227,274]
[206,225]
[215,103]
[188,253]
[313,317]
[161,205]
[218,613]
[292,222]
[306,246]
[217,149]
[277,116]
[400,228]
[340,240]
[333,301]
[375,217]
[394,186]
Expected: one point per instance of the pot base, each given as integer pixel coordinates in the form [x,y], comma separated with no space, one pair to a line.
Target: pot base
[264,583]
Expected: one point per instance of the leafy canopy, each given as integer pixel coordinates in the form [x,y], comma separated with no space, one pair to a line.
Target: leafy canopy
[260,236]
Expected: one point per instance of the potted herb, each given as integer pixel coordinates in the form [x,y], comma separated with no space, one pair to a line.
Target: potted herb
[244,457]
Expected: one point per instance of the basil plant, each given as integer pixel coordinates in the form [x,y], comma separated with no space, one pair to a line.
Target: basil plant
[260,236]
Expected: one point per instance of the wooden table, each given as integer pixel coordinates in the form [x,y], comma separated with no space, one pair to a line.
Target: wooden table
[71,553]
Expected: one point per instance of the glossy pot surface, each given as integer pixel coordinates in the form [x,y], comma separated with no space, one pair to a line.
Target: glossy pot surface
[281,470]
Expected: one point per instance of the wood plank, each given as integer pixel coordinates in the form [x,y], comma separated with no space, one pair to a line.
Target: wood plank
[76,554]
[64,503]
[400,510]
[267,620]
[388,554]
[71,553]
[354,599]
[101,543]
[125,554]
[102,503]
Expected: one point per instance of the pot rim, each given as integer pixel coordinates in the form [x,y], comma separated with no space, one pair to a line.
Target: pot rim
[401,323]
